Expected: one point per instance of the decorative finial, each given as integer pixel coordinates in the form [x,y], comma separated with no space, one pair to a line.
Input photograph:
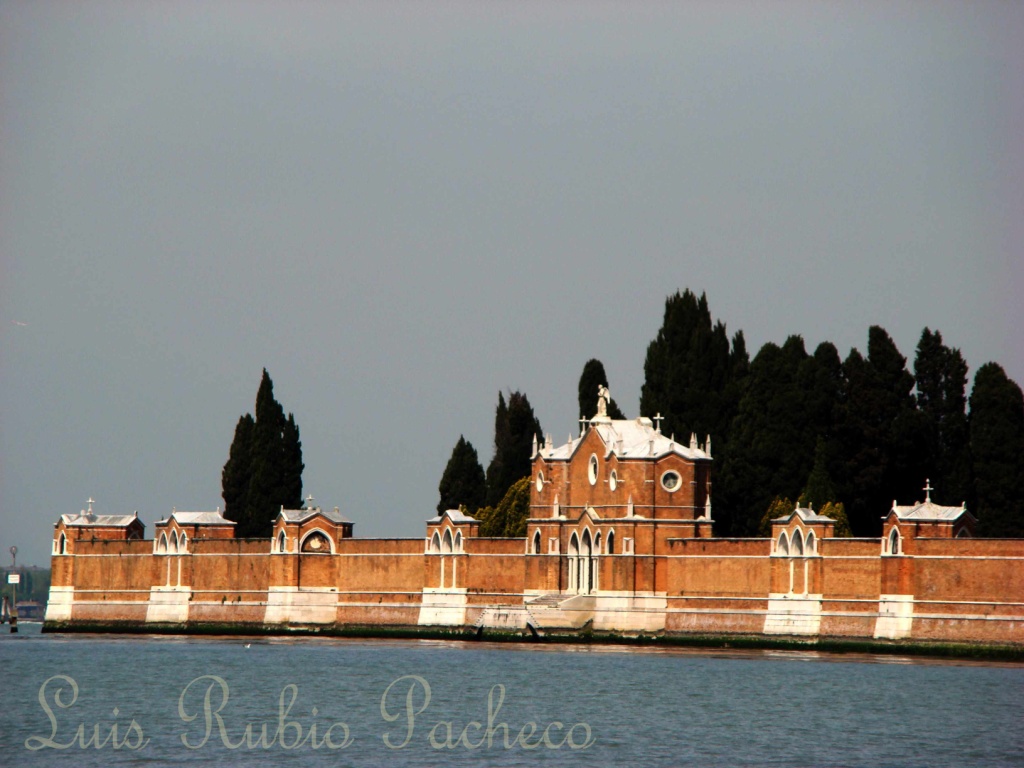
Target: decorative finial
[707,447]
[533,452]
[657,422]
[90,502]
[928,491]
[693,440]
[309,501]
[583,425]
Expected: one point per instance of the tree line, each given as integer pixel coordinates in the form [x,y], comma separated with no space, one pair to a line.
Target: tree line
[846,435]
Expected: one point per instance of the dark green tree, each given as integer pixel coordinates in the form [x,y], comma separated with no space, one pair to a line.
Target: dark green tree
[941,380]
[880,435]
[592,377]
[264,468]
[237,474]
[819,490]
[508,518]
[463,484]
[997,447]
[691,375]
[515,428]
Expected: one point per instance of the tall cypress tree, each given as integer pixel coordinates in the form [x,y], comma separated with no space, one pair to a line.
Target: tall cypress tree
[264,468]
[592,377]
[941,380]
[463,482]
[880,435]
[997,445]
[237,474]
[515,427]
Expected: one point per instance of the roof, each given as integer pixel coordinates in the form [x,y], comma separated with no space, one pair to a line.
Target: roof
[455,515]
[928,512]
[806,514]
[629,439]
[84,518]
[200,518]
[300,515]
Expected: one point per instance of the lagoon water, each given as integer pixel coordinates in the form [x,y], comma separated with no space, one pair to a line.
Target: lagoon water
[320,704]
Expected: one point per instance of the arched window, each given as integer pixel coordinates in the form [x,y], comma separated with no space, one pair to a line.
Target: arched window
[894,541]
[282,541]
[797,547]
[62,545]
[458,541]
[597,543]
[810,542]
[586,571]
[611,542]
[435,542]
[162,546]
[182,544]
[536,543]
[574,573]
[783,546]
[963,534]
[446,542]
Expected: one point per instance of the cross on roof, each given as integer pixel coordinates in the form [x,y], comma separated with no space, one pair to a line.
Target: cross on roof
[309,501]
[928,491]
[583,424]
[657,422]
[90,502]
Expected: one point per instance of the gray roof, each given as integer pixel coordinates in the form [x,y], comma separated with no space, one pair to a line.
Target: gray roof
[90,519]
[455,515]
[301,515]
[200,518]
[629,439]
[928,512]
[806,515]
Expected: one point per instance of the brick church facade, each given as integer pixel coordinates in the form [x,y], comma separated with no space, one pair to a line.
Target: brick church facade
[619,539]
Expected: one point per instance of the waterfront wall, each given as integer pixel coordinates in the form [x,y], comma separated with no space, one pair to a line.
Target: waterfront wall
[948,590]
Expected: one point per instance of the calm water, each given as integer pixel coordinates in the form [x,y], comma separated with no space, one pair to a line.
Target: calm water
[647,707]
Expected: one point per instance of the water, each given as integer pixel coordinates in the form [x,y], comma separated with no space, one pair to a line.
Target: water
[650,707]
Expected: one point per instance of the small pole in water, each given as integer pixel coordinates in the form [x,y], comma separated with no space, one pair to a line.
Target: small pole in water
[13,579]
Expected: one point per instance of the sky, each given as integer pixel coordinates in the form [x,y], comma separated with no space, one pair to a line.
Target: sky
[401,209]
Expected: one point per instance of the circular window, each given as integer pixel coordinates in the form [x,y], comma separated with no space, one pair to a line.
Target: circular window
[613,480]
[592,469]
[540,482]
[671,481]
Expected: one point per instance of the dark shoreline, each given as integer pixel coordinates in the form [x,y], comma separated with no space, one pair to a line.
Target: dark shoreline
[832,645]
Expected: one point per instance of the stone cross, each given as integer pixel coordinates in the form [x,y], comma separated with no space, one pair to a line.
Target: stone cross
[928,491]
[583,425]
[90,502]
[657,422]
[309,501]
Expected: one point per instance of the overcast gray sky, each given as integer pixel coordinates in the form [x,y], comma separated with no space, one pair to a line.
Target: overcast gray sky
[400,209]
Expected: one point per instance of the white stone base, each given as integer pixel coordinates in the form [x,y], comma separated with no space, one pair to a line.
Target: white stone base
[58,605]
[629,612]
[793,614]
[514,617]
[895,616]
[444,607]
[168,605]
[308,605]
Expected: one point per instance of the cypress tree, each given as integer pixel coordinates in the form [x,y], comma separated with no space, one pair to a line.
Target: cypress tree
[997,446]
[264,468]
[508,518]
[941,380]
[515,427]
[690,371]
[237,475]
[592,377]
[462,484]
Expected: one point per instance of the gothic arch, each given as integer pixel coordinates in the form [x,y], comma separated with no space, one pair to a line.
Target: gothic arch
[435,542]
[797,546]
[894,541]
[610,544]
[782,549]
[282,542]
[458,541]
[161,547]
[811,543]
[62,544]
[312,536]
[536,542]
